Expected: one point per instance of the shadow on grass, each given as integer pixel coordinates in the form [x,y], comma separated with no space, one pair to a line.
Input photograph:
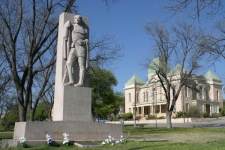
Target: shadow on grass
[55,144]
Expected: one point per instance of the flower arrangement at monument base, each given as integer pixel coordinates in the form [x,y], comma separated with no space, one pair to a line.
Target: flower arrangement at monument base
[111,141]
[49,139]
[66,139]
[22,142]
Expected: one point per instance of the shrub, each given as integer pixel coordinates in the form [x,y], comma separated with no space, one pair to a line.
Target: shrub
[194,112]
[115,119]
[215,115]
[179,114]
[161,117]
[222,111]
[205,115]
[138,117]
[127,116]
[151,117]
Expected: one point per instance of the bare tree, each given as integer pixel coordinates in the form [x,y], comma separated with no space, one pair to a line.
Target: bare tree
[44,82]
[177,46]
[202,9]
[194,9]
[104,50]
[28,36]
[5,88]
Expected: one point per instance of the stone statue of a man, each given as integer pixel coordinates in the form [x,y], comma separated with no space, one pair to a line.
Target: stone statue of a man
[78,50]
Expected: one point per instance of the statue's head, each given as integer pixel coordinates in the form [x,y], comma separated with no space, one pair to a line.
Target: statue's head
[77,19]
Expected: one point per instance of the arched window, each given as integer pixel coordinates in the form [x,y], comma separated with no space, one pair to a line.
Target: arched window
[186,91]
[129,97]
[217,95]
[146,96]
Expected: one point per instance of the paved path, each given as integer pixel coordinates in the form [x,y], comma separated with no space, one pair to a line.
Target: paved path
[206,124]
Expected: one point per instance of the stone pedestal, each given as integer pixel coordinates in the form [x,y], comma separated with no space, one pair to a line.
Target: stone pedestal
[77,130]
[75,106]
[35,132]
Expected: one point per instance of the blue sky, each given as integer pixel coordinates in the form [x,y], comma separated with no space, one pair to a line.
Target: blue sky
[125,20]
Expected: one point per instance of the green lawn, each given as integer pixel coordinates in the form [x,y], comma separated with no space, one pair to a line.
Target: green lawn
[6,135]
[162,139]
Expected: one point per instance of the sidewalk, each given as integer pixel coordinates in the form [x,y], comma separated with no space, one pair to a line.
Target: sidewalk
[179,122]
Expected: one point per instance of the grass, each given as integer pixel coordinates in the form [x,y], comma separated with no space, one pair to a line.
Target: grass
[6,135]
[163,139]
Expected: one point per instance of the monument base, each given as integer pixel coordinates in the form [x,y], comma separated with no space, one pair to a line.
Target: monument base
[35,132]
[73,105]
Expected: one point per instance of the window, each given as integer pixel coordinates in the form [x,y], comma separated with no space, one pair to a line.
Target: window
[129,110]
[154,94]
[146,96]
[206,94]
[137,97]
[217,95]
[186,91]
[129,97]
[200,92]
[215,109]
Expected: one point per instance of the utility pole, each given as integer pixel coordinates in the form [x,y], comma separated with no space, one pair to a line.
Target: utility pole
[183,104]
[135,102]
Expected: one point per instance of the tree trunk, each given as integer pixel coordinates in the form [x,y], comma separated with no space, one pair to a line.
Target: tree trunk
[168,118]
[31,115]
[50,115]
[50,112]
[22,113]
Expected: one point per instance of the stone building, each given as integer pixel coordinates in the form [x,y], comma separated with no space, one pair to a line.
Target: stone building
[151,100]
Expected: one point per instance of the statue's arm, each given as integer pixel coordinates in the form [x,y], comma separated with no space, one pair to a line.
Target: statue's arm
[66,30]
[65,39]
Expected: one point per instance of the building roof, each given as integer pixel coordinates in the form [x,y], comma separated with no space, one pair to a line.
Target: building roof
[157,63]
[133,79]
[211,76]
[145,85]
[177,69]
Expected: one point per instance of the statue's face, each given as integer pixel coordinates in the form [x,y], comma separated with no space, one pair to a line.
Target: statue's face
[77,19]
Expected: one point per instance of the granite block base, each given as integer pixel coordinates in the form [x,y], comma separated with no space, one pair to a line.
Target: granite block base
[78,131]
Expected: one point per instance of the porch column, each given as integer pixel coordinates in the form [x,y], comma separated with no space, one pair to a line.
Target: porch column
[137,112]
[149,112]
[153,109]
[211,110]
[142,110]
